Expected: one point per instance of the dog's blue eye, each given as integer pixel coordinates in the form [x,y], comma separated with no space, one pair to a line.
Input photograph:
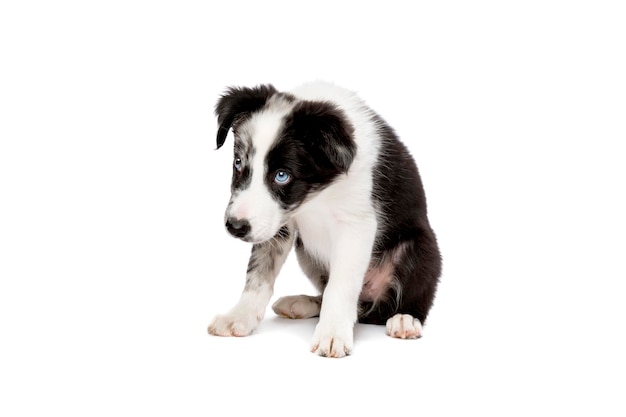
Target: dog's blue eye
[237,164]
[282,178]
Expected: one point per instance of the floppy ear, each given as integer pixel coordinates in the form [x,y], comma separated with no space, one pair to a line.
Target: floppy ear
[326,132]
[236,102]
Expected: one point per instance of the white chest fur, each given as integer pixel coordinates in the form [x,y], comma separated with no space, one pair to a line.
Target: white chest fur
[343,208]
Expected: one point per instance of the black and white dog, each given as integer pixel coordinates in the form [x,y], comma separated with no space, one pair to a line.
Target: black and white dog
[318,169]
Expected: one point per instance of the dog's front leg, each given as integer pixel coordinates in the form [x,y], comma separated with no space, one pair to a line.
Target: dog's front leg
[265,262]
[350,258]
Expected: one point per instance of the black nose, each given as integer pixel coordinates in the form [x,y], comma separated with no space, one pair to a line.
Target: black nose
[238,228]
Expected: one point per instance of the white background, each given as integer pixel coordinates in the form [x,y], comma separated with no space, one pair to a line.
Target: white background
[113,255]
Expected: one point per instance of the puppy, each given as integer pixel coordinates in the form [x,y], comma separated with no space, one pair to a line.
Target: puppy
[319,170]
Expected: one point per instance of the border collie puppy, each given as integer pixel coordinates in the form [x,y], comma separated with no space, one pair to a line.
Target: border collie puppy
[319,170]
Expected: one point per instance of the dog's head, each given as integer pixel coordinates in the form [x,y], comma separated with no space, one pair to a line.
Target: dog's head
[286,150]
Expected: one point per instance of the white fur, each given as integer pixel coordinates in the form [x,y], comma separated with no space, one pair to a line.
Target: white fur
[244,317]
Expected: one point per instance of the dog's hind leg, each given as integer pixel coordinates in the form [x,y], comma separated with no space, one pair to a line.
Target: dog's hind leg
[265,262]
[298,306]
[404,326]
[304,306]
[405,305]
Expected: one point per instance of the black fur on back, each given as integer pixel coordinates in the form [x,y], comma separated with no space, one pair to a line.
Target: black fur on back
[399,194]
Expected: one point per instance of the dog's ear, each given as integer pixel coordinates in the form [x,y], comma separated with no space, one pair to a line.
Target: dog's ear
[237,102]
[326,132]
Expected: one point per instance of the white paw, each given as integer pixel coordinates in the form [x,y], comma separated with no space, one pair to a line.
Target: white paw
[233,325]
[404,326]
[333,341]
[298,306]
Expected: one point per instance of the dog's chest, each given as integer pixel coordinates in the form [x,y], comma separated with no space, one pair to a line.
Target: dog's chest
[337,210]
[316,235]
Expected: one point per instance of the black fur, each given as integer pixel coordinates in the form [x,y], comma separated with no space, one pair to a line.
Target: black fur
[241,179]
[325,133]
[236,104]
[315,146]
[399,193]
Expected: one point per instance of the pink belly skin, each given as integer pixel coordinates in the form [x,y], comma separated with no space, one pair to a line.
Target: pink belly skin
[380,276]
[377,280]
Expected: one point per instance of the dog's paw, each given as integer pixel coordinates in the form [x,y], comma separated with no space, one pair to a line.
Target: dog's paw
[298,306]
[404,326]
[333,341]
[233,325]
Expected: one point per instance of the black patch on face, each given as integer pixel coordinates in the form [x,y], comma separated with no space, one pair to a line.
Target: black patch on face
[243,177]
[315,146]
[236,105]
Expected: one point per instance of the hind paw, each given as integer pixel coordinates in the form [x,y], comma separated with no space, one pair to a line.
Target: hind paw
[404,326]
[298,306]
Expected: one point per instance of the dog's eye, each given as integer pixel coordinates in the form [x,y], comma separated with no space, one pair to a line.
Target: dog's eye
[282,177]
[237,164]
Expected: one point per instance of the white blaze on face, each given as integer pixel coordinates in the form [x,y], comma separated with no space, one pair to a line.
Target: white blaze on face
[256,203]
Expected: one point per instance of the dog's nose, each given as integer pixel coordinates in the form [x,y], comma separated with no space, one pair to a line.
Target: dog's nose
[238,228]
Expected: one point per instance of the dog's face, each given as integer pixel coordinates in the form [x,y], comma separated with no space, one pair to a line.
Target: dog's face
[286,150]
